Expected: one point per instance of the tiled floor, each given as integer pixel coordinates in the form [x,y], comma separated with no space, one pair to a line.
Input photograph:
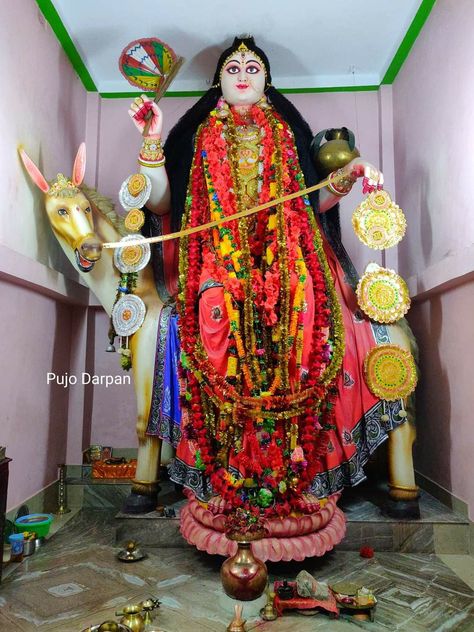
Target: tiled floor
[75,580]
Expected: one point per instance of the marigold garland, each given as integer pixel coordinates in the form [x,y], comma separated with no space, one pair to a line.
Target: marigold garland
[261,414]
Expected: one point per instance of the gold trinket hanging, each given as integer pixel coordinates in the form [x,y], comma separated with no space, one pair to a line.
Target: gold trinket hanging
[378,222]
[390,372]
[382,294]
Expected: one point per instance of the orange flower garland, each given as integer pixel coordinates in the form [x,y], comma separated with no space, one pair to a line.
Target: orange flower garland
[254,402]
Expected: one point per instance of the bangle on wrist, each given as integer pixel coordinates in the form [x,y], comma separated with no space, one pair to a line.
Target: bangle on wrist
[151,150]
[342,184]
[152,164]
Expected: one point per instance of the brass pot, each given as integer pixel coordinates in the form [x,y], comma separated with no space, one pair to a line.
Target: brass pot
[336,152]
[133,619]
[244,576]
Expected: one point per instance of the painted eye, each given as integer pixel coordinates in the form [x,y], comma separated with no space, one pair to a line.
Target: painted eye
[252,70]
[233,70]
[87,210]
[62,211]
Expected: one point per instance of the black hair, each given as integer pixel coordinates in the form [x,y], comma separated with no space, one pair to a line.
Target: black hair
[179,146]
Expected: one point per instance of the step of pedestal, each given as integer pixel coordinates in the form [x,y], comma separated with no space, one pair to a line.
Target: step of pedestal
[439,530]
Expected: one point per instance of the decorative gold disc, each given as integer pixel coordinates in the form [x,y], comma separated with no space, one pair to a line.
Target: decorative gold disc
[128,315]
[390,372]
[134,220]
[378,222]
[132,258]
[135,191]
[382,294]
[136,184]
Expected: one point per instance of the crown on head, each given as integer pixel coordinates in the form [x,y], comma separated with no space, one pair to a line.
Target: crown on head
[62,187]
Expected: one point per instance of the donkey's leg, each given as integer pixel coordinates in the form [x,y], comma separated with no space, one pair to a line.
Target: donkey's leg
[401,473]
[145,484]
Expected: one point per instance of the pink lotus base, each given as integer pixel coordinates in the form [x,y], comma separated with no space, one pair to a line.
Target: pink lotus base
[290,538]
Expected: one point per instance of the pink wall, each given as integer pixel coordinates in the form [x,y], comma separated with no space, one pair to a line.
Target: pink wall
[43,107]
[34,424]
[434,134]
[113,411]
[444,328]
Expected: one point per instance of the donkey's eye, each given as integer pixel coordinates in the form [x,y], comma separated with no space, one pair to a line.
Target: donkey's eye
[87,210]
[62,211]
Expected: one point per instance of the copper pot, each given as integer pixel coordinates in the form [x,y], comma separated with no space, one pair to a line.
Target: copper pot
[244,576]
[336,152]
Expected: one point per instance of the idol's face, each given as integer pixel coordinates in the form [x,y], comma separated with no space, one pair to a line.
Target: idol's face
[243,79]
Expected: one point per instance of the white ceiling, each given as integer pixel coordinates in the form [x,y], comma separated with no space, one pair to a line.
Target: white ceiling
[310,43]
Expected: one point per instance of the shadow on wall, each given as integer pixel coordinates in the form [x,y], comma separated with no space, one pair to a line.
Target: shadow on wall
[58,395]
[415,250]
[433,397]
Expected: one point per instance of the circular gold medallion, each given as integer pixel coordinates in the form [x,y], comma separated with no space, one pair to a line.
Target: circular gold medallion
[378,222]
[390,372]
[136,184]
[134,220]
[379,200]
[135,191]
[131,255]
[132,258]
[383,295]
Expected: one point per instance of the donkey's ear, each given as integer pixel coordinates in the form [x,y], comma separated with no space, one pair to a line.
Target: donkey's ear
[34,172]
[79,165]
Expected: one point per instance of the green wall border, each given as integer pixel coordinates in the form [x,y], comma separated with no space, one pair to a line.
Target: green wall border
[405,47]
[51,15]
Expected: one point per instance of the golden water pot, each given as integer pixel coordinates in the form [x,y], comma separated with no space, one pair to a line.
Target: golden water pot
[336,152]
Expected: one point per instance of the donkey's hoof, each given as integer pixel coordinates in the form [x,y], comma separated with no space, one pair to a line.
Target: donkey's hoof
[401,509]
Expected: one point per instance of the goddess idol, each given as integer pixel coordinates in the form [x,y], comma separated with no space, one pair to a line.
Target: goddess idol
[275,411]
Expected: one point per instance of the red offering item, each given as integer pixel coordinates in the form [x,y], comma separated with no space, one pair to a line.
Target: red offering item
[303,603]
[366,551]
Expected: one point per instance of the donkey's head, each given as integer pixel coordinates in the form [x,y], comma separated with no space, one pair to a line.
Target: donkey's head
[68,209]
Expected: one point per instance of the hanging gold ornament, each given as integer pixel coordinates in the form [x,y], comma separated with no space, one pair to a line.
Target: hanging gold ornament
[135,191]
[382,294]
[390,372]
[132,258]
[378,222]
[134,220]
[136,184]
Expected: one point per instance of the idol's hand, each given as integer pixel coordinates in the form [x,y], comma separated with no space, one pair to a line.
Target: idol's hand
[372,177]
[139,112]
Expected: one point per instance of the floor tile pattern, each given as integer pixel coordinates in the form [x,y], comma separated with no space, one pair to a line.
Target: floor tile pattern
[75,580]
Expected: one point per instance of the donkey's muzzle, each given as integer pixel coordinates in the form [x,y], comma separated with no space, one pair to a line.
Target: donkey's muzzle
[90,248]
